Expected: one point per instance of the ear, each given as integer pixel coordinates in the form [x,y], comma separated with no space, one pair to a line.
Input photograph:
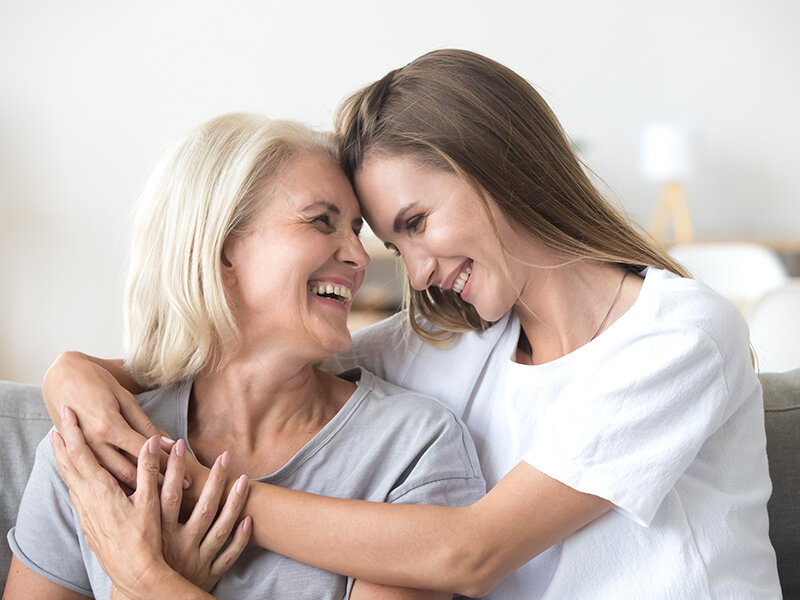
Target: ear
[228,270]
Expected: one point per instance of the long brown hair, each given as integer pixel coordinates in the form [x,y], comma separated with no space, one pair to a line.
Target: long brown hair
[470,115]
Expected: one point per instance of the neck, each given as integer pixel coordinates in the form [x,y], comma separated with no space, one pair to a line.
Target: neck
[259,402]
[563,308]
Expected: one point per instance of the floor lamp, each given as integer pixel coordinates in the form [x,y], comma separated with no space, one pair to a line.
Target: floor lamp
[667,158]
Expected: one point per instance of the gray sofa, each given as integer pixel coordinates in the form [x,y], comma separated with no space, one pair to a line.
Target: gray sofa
[24,422]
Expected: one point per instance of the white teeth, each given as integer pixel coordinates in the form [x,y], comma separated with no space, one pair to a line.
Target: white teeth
[343,292]
[461,281]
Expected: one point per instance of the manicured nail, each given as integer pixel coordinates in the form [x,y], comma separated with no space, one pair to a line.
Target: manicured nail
[241,484]
[167,440]
[180,448]
[225,459]
[153,446]
[247,523]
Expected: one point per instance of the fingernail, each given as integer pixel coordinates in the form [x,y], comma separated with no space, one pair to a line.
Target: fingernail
[186,484]
[167,440]
[225,459]
[52,436]
[63,412]
[247,524]
[180,448]
[241,484]
[153,447]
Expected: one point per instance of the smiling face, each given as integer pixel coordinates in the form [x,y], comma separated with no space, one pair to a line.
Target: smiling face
[439,226]
[291,276]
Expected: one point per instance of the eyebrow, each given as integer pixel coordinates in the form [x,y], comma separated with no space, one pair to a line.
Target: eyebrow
[327,205]
[398,220]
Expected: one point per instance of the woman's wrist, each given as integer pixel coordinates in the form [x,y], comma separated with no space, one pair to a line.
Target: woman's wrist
[162,581]
[56,376]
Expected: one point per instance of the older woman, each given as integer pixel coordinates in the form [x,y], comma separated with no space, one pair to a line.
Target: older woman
[245,260]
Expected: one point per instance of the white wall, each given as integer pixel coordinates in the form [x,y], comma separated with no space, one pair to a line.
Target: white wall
[92,91]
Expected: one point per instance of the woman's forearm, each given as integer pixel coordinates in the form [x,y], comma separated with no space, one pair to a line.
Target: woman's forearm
[418,546]
[171,585]
[465,550]
[69,363]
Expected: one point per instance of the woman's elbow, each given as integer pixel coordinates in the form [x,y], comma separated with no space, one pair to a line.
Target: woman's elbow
[477,581]
[472,567]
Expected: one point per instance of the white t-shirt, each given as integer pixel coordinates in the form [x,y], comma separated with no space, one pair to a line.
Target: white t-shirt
[661,414]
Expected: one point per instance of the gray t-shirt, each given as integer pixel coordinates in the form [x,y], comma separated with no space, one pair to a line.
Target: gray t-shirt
[386,444]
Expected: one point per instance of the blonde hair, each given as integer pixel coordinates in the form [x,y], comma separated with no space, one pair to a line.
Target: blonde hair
[467,114]
[207,187]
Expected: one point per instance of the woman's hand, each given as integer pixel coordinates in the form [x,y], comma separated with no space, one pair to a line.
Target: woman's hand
[125,533]
[113,424]
[193,548]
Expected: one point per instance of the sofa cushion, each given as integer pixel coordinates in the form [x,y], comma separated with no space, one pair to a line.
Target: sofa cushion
[782,420]
[23,422]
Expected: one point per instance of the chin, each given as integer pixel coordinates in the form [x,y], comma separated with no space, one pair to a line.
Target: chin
[337,344]
[492,313]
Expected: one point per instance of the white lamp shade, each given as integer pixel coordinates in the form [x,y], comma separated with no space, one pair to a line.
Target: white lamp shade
[667,153]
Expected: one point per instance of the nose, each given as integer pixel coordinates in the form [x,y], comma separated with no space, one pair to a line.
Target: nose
[420,270]
[352,252]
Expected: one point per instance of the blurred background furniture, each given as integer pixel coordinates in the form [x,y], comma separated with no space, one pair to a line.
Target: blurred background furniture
[786,246]
[774,321]
[24,423]
[667,157]
[381,293]
[740,271]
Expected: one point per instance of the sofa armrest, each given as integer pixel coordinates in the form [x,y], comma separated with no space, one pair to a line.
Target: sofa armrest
[782,422]
[23,424]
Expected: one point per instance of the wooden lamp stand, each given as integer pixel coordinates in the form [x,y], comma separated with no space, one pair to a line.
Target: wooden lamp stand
[672,207]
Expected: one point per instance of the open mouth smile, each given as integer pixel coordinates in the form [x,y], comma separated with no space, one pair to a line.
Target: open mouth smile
[339,293]
[461,280]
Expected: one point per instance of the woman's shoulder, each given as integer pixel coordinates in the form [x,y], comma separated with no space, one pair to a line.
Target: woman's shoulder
[681,333]
[394,416]
[392,351]
[669,302]
[167,406]
[404,405]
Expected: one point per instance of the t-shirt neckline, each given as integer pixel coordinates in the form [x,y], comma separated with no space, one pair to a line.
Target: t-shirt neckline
[593,345]
[364,385]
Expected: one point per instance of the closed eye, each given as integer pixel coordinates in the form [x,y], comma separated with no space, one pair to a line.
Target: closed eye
[416,224]
[323,220]
[392,248]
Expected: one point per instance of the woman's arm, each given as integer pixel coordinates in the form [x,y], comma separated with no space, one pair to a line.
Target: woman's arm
[23,583]
[466,550]
[100,392]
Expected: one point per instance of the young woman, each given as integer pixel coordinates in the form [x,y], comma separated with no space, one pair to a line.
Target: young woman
[613,402]
[244,262]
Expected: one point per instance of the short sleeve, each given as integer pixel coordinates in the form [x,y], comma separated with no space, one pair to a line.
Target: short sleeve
[46,535]
[444,469]
[627,428]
